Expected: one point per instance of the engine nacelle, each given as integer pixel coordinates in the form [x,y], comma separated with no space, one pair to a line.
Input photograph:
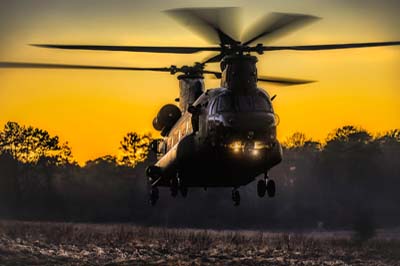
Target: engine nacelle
[166,118]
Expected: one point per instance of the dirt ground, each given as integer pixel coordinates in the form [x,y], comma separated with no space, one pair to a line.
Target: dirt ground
[35,243]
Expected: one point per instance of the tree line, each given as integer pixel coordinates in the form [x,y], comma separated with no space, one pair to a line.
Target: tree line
[353,176]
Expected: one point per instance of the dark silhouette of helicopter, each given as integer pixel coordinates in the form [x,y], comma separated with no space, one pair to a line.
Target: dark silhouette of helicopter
[222,137]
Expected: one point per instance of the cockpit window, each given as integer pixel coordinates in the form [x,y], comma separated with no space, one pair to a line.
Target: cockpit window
[252,103]
[244,103]
[225,103]
[261,104]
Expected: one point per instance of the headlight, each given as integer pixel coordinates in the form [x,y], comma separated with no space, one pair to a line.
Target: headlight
[255,152]
[236,146]
[250,148]
[259,145]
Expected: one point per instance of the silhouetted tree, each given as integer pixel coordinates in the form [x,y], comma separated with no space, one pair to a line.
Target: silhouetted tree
[317,185]
[29,144]
[387,180]
[349,165]
[134,148]
[346,138]
[104,161]
[9,189]
[37,157]
[296,140]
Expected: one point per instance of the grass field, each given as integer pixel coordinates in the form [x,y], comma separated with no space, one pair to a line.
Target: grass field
[38,243]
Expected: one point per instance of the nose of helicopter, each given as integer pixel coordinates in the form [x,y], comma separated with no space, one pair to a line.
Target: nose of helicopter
[250,121]
[250,139]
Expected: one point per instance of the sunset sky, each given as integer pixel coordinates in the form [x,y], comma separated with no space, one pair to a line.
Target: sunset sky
[93,110]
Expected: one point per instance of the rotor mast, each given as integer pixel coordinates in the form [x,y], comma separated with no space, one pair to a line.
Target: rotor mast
[190,88]
[191,84]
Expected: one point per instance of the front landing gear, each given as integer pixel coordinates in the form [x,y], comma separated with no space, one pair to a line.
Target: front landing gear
[271,188]
[236,197]
[266,185]
[261,188]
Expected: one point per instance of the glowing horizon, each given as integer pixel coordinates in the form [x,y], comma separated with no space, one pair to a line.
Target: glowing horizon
[93,110]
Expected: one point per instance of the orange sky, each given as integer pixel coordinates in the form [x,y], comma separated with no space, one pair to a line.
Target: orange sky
[93,110]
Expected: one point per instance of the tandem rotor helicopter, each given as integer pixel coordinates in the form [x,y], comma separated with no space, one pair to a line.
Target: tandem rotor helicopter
[222,137]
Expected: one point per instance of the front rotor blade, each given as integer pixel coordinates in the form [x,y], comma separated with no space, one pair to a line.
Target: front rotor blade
[62,66]
[275,24]
[277,80]
[214,59]
[330,46]
[216,25]
[143,49]
[284,81]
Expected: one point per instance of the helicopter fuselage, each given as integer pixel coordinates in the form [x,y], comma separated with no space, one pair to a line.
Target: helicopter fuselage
[223,140]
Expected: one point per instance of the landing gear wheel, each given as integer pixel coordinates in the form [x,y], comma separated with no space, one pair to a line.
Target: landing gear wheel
[261,188]
[184,191]
[174,187]
[236,197]
[154,195]
[271,188]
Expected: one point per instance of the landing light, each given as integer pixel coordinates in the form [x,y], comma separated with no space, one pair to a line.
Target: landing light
[251,148]
[258,145]
[236,146]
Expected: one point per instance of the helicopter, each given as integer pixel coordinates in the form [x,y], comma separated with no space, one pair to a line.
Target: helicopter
[220,137]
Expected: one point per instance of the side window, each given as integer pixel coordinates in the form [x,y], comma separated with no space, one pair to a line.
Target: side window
[213,106]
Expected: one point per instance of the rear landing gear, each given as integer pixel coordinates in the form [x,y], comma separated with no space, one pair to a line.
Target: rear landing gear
[154,195]
[183,190]
[177,186]
[236,197]
[174,187]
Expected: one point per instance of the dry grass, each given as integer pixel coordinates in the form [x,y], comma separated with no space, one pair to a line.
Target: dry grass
[37,243]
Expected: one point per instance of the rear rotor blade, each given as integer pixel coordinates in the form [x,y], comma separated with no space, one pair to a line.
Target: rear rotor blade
[143,49]
[216,74]
[330,46]
[284,81]
[276,24]
[217,25]
[63,66]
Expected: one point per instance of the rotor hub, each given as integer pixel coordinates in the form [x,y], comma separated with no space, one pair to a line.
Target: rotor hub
[235,59]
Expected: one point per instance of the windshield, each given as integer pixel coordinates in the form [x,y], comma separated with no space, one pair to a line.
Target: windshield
[253,103]
[225,103]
